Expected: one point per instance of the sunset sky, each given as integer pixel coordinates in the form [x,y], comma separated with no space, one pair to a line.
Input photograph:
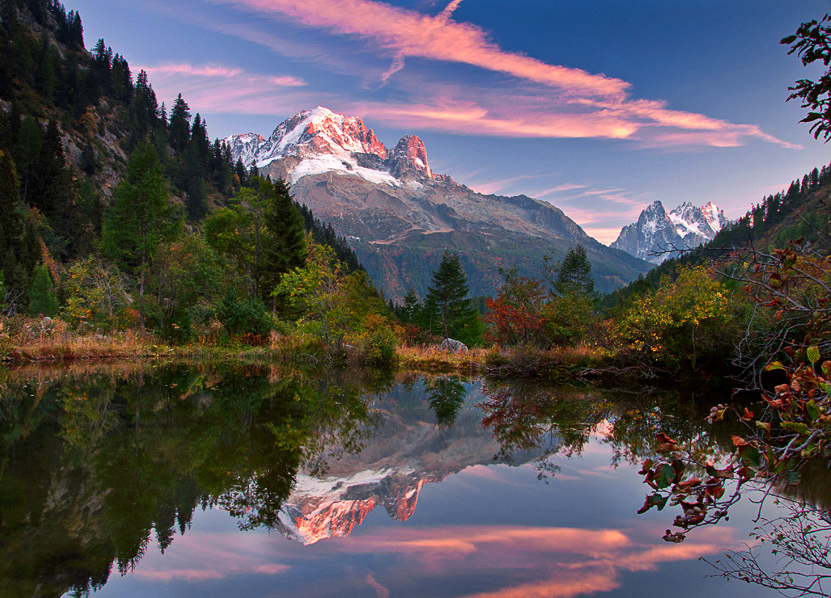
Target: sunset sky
[597,106]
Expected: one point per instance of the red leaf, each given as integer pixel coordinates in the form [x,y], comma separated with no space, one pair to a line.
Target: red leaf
[665,443]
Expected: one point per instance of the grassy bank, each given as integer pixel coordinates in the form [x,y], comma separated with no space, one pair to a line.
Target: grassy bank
[33,340]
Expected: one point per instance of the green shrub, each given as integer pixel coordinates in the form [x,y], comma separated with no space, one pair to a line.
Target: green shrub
[244,317]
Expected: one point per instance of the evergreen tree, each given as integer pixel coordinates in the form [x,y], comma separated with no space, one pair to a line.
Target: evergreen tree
[11,224]
[144,109]
[52,191]
[179,127]
[285,243]
[140,217]
[574,275]
[11,229]
[410,311]
[447,308]
[42,300]
[27,153]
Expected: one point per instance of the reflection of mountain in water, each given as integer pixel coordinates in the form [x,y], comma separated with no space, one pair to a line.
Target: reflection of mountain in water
[332,507]
[408,450]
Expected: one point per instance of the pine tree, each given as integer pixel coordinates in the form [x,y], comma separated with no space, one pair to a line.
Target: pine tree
[140,217]
[179,127]
[27,153]
[51,187]
[574,275]
[11,227]
[11,224]
[42,300]
[411,308]
[284,247]
[447,308]
[144,109]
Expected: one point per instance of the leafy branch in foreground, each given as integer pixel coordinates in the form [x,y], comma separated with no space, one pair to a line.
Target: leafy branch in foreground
[793,427]
[812,43]
[789,303]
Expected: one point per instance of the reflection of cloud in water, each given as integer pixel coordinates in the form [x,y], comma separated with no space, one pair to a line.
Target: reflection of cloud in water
[550,562]
[180,574]
[199,556]
[519,561]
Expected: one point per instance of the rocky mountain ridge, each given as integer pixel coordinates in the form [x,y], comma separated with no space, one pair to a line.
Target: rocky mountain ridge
[400,216]
[658,233]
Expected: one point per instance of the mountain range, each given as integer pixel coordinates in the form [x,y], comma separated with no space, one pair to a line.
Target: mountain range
[658,233]
[399,216]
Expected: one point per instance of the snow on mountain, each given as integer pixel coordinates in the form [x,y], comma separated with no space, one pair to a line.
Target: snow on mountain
[657,233]
[321,141]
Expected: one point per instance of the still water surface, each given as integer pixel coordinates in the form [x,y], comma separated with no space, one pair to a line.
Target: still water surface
[192,481]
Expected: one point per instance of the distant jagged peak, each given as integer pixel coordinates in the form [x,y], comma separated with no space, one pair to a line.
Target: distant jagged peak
[703,223]
[653,212]
[657,232]
[410,152]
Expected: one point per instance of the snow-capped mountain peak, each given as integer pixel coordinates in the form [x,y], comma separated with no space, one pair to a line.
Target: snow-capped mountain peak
[319,140]
[658,232]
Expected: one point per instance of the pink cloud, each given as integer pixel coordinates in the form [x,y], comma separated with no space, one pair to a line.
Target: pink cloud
[546,562]
[380,591]
[559,189]
[219,556]
[435,37]
[474,119]
[522,561]
[502,184]
[604,108]
[180,574]
[584,105]
[194,70]
[218,88]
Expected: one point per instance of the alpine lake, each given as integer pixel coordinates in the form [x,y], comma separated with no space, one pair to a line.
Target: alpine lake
[200,480]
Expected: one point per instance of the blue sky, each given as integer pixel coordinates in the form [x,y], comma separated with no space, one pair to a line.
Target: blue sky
[598,106]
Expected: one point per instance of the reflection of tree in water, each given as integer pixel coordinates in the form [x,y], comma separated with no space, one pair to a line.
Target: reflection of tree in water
[561,420]
[446,395]
[92,467]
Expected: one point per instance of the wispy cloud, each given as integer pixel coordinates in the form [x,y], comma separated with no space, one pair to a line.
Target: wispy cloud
[397,65]
[450,9]
[435,37]
[548,562]
[572,102]
[220,88]
[558,189]
[501,185]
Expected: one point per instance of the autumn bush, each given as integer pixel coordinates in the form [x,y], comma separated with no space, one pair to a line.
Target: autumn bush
[688,322]
[377,341]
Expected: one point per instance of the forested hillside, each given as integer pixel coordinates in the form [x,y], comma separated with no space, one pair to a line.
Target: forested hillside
[83,142]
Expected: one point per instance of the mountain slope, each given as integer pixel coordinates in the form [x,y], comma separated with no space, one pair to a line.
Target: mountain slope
[658,232]
[400,216]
